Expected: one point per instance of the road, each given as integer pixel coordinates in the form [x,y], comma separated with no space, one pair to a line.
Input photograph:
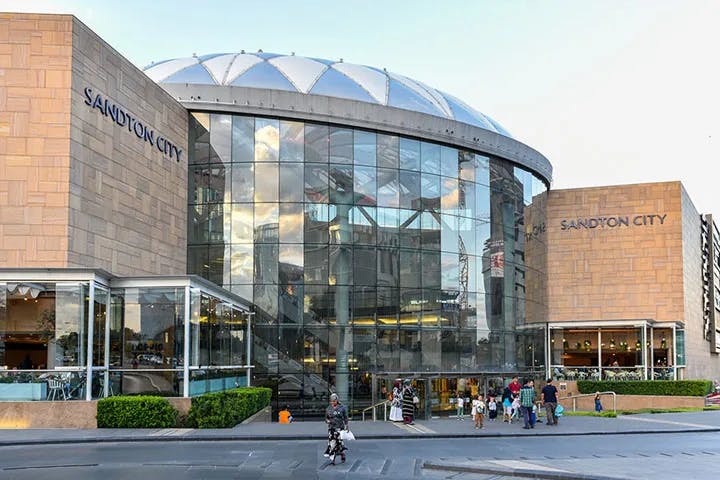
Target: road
[657,456]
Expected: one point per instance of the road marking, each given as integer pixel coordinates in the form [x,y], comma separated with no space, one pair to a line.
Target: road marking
[525,465]
[409,428]
[171,432]
[667,422]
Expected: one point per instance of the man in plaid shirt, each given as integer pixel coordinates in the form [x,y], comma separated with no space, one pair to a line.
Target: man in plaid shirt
[527,399]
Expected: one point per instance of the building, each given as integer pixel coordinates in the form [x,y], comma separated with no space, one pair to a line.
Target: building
[376,226]
[633,284]
[315,226]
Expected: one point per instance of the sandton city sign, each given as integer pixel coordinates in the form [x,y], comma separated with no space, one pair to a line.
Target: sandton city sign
[123,118]
[618,221]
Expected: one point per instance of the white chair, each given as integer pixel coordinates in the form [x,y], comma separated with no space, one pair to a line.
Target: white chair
[56,387]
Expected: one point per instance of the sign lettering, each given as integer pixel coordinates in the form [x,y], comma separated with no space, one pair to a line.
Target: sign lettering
[613,222]
[123,118]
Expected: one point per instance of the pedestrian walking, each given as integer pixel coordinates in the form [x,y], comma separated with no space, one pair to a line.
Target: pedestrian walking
[408,403]
[507,409]
[548,396]
[515,408]
[598,405]
[460,406]
[527,400]
[336,417]
[478,408]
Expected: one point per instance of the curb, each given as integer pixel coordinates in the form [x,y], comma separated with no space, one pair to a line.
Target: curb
[516,472]
[277,438]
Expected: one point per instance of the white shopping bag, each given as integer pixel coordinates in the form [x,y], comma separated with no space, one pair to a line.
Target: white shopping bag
[346,435]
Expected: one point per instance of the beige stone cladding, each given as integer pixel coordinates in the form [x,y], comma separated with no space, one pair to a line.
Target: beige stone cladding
[35,72]
[128,199]
[701,363]
[630,267]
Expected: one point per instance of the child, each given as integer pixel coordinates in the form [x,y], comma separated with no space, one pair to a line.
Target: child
[460,406]
[284,416]
[507,410]
[598,405]
[515,408]
[477,411]
[492,409]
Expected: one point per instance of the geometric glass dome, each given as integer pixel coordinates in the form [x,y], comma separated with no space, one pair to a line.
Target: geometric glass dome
[314,76]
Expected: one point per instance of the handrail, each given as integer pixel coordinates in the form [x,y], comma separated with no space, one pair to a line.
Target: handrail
[373,407]
[575,397]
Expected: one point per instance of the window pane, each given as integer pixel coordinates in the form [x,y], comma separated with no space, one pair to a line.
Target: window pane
[364,307]
[410,231]
[316,223]
[387,267]
[267,140]
[482,170]
[410,154]
[410,192]
[430,185]
[266,182]
[242,223]
[449,233]
[466,166]
[291,188]
[243,139]
[241,263]
[450,195]
[243,176]
[388,188]
[450,271]
[430,158]
[388,151]
[220,128]
[364,222]
[292,261]
[410,268]
[316,264]
[200,138]
[449,162]
[365,182]
[292,141]
[316,183]
[430,231]
[431,269]
[387,306]
[341,145]
[340,183]
[291,223]
[341,261]
[365,266]
[387,220]
[316,143]
[266,222]
[365,147]
[266,260]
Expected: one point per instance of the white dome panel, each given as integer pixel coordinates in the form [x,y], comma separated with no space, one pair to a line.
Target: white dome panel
[302,72]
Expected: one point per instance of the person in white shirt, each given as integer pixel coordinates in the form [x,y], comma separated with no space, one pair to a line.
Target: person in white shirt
[460,406]
[478,410]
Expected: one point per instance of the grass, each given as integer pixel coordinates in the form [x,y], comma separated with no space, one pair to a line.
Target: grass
[568,413]
[669,410]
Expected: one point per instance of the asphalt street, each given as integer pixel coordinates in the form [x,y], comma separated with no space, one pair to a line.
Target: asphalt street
[637,456]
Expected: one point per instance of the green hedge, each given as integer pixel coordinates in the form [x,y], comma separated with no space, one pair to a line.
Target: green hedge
[228,408]
[689,388]
[135,412]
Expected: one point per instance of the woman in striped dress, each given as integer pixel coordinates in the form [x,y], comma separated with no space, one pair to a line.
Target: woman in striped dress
[408,406]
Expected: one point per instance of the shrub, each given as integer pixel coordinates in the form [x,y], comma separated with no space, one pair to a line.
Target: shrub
[135,412]
[228,408]
[689,388]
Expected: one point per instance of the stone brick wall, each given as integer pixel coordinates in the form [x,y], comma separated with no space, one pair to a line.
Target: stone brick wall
[128,200]
[620,273]
[700,362]
[35,75]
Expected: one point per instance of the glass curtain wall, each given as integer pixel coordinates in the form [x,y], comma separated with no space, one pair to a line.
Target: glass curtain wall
[364,252]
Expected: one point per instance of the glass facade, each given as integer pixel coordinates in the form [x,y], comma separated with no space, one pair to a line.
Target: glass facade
[139,337]
[366,253]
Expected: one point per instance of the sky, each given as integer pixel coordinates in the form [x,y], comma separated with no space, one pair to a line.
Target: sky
[610,91]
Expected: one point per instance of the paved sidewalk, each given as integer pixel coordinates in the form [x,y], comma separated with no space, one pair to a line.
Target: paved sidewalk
[436,428]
